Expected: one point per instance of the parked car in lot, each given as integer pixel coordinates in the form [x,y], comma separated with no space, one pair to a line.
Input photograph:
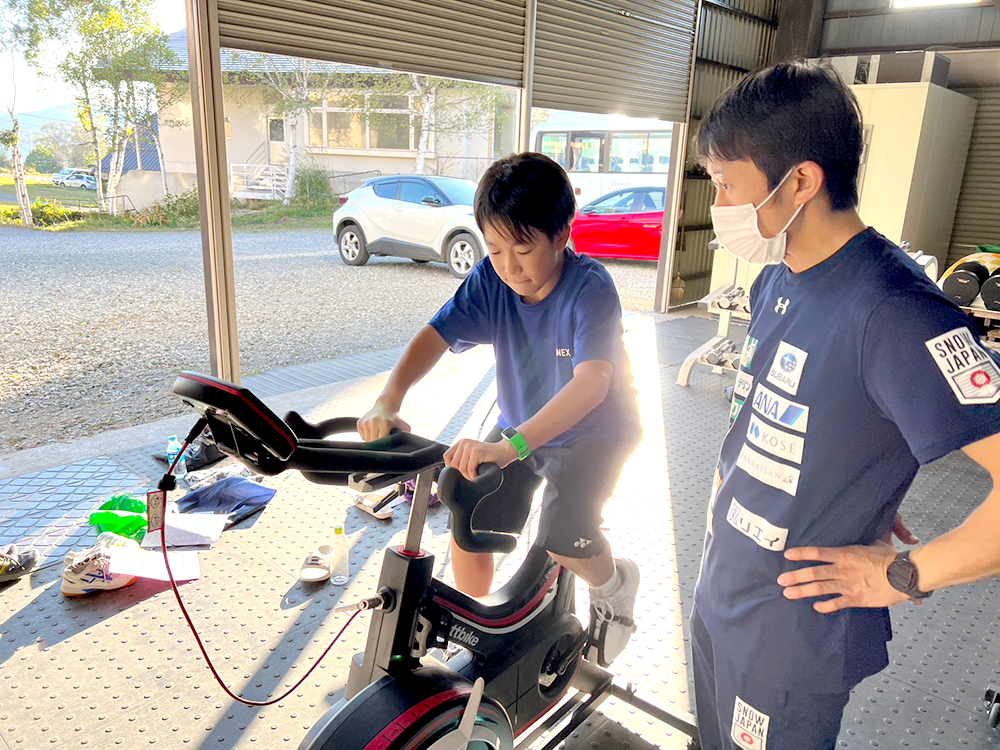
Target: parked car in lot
[623,224]
[422,217]
[74,178]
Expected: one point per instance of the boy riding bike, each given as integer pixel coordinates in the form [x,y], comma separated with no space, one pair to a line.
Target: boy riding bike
[564,387]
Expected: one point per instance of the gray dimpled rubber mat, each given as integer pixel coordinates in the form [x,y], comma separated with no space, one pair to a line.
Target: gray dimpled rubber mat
[121,670]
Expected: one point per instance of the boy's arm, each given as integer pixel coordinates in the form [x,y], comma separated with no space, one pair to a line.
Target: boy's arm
[418,359]
[581,395]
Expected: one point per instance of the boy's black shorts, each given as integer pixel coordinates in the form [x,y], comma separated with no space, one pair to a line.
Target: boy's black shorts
[579,478]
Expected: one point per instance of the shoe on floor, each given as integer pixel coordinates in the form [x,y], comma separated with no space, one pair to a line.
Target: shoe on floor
[14,563]
[316,567]
[411,487]
[88,571]
[610,630]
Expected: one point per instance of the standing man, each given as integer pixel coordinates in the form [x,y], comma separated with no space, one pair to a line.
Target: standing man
[856,371]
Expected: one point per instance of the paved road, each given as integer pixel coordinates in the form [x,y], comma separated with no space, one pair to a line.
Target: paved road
[95,325]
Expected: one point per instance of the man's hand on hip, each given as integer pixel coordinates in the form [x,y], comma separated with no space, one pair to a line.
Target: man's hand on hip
[855,576]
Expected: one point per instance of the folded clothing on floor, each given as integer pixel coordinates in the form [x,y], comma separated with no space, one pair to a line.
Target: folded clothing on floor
[237,496]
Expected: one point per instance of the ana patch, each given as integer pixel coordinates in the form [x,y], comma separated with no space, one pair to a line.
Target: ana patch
[780,409]
[768,471]
[786,369]
[749,726]
[971,373]
[757,528]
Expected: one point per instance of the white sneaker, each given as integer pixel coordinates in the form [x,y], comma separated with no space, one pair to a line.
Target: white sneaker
[88,571]
[611,621]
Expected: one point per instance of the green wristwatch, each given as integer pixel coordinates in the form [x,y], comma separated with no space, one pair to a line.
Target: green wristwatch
[513,437]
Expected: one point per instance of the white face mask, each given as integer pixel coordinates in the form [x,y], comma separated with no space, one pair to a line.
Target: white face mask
[737,230]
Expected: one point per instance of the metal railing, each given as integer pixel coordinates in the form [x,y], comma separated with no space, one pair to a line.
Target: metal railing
[258,181]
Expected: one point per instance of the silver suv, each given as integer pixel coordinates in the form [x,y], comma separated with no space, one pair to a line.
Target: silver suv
[410,216]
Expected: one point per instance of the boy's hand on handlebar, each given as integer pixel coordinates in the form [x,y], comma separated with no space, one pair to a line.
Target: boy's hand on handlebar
[466,455]
[379,422]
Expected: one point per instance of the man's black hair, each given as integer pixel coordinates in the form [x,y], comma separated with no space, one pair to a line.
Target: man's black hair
[523,194]
[784,115]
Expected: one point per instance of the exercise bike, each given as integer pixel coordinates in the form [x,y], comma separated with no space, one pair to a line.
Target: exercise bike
[522,673]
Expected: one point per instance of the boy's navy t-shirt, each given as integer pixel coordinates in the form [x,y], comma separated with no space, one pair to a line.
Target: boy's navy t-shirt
[537,346]
[855,372]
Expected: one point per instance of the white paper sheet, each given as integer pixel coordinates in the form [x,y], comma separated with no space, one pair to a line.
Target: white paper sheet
[188,530]
[148,564]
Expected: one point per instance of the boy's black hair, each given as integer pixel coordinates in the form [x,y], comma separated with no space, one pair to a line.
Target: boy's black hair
[784,115]
[523,194]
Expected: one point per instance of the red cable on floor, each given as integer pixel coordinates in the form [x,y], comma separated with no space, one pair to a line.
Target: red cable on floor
[194,632]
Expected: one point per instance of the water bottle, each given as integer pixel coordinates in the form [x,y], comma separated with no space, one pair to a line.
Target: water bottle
[340,568]
[173,448]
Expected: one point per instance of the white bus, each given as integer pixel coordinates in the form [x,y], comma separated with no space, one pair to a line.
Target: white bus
[604,153]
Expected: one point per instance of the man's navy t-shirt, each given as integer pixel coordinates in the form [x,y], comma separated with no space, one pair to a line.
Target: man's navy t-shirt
[855,372]
[538,345]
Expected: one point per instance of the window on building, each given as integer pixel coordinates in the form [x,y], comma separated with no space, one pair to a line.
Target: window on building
[229,128]
[276,130]
[393,123]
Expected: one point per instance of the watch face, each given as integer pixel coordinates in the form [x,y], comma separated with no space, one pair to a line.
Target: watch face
[902,575]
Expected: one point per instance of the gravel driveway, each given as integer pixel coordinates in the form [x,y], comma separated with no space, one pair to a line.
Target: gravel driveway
[96,325]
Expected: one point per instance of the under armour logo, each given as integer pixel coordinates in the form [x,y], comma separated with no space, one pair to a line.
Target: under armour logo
[782,305]
[582,543]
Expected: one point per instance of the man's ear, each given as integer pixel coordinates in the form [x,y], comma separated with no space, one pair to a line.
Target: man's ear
[809,180]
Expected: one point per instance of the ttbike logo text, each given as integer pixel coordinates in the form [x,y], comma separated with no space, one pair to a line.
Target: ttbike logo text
[459,633]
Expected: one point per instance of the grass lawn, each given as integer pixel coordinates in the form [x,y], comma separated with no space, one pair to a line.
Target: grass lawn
[43,188]
[262,216]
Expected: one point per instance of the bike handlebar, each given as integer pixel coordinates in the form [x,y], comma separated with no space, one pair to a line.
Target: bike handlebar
[242,426]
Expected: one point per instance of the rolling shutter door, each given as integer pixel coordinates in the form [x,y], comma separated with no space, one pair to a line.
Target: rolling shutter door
[625,57]
[476,41]
[977,218]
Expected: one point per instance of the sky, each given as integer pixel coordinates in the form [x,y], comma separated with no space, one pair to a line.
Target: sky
[31,91]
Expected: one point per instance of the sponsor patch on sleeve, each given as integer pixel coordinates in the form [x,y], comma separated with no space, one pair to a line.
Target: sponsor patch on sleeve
[971,373]
[749,726]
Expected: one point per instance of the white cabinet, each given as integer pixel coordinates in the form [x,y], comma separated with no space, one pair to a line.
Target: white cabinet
[919,142]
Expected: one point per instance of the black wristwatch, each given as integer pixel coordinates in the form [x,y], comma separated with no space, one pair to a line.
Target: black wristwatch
[902,575]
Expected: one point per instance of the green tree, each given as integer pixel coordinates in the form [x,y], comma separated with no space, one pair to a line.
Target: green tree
[10,139]
[42,161]
[114,58]
[439,106]
[68,142]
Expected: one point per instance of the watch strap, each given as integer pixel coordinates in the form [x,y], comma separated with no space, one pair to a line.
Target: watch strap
[905,577]
[517,440]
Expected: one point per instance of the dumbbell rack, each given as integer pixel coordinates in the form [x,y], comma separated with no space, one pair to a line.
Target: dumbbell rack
[739,309]
[991,321]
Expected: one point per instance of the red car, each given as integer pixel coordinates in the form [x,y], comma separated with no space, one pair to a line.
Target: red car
[623,224]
